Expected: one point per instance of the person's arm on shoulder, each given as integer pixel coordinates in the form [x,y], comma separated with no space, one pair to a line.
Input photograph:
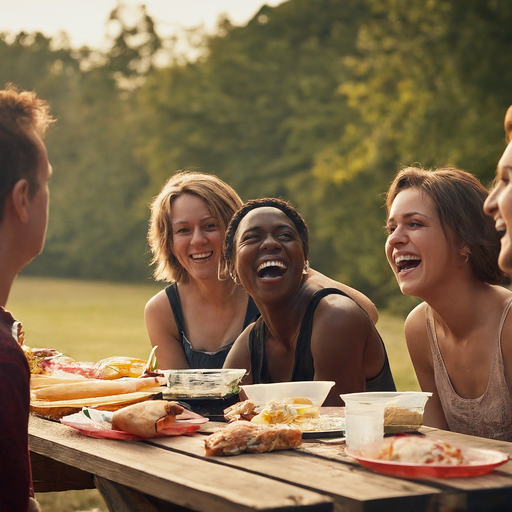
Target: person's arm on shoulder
[163,333]
[239,355]
[317,278]
[418,344]
[338,342]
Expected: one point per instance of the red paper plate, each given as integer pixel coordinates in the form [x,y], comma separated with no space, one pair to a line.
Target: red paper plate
[186,422]
[479,462]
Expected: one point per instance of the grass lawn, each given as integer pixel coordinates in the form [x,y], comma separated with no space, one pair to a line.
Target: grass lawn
[89,321]
[86,320]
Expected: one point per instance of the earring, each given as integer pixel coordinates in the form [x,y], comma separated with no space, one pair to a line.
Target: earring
[234,277]
[465,252]
[306,267]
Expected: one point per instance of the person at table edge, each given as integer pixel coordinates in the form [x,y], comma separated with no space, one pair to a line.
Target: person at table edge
[24,198]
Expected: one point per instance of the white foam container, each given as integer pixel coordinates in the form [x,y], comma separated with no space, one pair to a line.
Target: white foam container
[314,390]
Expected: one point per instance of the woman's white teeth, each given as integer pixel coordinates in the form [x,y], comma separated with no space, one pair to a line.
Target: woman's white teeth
[202,255]
[270,264]
[500,225]
[406,257]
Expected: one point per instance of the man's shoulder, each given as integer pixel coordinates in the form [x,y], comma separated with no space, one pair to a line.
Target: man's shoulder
[10,351]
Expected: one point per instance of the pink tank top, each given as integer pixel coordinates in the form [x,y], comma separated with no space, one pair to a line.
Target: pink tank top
[489,415]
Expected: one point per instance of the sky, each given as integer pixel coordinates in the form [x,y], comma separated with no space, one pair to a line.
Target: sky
[84,20]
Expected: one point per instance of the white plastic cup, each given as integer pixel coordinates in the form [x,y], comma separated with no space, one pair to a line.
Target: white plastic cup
[364,423]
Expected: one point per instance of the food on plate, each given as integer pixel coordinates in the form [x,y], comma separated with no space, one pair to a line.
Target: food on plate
[421,450]
[244,436]
[49,361]
[37,357]
[245,410]
[401,416]
[41,381]
[287,410]
[98,423]
[145,419]
[299,412]
[321,424]
[120,366]
[56,409]
[94,388]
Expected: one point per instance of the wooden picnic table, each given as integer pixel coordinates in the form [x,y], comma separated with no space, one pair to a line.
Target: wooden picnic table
[173,474]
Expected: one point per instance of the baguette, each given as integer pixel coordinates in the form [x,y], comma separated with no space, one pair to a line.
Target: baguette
[96,388]
[41,381]
[56,409]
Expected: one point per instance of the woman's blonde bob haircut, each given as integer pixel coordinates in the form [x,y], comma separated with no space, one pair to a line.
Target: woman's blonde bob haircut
[222,202]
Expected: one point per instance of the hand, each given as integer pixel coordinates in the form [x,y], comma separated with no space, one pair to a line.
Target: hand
[33,505]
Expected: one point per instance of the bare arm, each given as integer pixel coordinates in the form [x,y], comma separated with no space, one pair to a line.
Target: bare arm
[239,355]
[163,332]
[338,341]
[318,279]
[421,356]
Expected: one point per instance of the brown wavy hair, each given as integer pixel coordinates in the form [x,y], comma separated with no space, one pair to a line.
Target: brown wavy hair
[459,198]
[21,114]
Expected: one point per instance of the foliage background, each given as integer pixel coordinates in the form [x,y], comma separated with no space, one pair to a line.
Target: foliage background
[317,101]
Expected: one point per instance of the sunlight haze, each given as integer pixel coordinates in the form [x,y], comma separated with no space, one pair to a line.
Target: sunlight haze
[85,22]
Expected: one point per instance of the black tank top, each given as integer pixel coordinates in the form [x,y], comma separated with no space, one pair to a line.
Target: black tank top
[200,359]
[304,368]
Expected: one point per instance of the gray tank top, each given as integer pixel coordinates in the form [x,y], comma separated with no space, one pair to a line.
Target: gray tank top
[489,415]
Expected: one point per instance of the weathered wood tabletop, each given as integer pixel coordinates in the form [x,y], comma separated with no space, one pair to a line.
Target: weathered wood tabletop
[173,473]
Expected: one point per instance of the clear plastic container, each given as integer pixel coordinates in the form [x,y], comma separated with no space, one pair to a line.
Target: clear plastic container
[204,383]
[402,408]
[364,422]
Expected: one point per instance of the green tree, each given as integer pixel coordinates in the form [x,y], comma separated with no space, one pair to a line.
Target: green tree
[430,85]
[98,218]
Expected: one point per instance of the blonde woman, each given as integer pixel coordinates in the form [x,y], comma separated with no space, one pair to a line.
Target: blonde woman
[195,319]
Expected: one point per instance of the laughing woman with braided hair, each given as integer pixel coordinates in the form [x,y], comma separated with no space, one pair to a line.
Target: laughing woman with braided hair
[188,220]
[306,331]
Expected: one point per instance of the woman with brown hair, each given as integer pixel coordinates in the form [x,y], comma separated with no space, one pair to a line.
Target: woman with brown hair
[443,250]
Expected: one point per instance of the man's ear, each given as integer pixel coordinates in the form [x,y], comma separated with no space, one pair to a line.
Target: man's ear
[20,195]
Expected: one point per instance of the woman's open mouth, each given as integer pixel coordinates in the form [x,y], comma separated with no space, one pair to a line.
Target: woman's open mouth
[406,263]
[271,269]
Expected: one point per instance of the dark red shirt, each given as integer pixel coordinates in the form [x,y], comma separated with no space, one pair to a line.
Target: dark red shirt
[15,478]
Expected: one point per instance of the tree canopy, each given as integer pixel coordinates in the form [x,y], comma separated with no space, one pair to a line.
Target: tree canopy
[316,101]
